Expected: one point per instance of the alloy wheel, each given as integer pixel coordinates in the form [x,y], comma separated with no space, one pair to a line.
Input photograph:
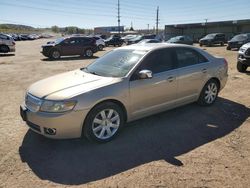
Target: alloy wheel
[106,123]
[211,93]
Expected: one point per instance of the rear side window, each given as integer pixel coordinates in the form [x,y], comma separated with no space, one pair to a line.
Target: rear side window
[86,40]
[187,57]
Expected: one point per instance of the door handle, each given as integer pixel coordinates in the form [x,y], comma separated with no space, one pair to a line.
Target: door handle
[204,70]
[170,78]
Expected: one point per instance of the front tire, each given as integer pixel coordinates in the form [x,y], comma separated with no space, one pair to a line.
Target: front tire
[241,67]
[209,93]
[103,122]
[55,54]
[228,48]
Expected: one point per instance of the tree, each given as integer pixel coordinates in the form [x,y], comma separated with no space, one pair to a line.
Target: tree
[55,29]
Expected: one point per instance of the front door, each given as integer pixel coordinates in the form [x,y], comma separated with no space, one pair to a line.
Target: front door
[149,96]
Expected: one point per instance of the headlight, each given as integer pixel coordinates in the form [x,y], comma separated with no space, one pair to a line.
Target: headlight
[57,106]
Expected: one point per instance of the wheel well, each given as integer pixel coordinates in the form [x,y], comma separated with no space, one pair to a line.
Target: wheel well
[120,104]
[217,80]
[5,46]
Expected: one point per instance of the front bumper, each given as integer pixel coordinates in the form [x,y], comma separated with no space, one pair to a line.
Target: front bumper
[12,48]
[244,60]
[66,125]
[234,45]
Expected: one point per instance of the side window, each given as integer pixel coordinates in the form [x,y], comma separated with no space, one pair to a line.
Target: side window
[158,61]
[188,57]
[3,37]
[85,40]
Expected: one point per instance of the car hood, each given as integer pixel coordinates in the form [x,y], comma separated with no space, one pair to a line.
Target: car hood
[245,46]
[67,85]
[49,45]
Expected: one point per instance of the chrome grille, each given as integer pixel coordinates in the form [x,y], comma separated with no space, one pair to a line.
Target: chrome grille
[32,103]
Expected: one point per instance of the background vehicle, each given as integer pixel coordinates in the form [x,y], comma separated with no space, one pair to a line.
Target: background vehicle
[145,41]
[139,38]
[214,38]
[238,40]
[99,43]
[7,44]
[181,40]
[111,91]
[243,58]
[114,41]
[84,46]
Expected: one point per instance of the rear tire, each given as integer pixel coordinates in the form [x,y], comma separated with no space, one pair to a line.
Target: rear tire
[103,122]
[89,53]
[209,93]
[241,67]
[100,47]
[228,48]
[222,43]
[201,45]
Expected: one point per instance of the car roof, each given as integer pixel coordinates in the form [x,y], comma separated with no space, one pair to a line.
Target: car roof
[152,46]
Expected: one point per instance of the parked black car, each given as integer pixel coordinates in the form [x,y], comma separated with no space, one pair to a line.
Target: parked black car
[139,38]
[84,46]
[181,40]
[114,41]
[238,40]
[214,38]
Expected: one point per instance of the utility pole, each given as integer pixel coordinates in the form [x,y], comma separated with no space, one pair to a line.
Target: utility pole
[157,20]
[148,28]
[206,26]
[119,20]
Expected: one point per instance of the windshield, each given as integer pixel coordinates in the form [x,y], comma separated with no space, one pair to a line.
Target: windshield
[174,39]
[240,37]
[57,41]
[210,36]
[116,63]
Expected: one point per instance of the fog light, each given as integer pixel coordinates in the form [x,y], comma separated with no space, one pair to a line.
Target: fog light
[50,131]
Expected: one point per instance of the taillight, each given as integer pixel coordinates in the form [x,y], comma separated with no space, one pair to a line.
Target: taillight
[225,62]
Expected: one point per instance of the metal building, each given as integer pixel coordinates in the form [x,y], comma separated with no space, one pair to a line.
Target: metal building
[107,30]
[198,30]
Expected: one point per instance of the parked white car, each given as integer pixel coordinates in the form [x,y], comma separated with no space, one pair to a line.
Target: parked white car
[99,43]
[7,43]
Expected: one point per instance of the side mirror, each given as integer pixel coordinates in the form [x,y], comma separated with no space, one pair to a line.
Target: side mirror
[145,74]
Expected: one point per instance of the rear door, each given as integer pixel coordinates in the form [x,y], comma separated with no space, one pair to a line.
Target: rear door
[192,74]
[71,46]
[152,95]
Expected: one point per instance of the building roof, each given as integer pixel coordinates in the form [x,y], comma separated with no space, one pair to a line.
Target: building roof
[220,23]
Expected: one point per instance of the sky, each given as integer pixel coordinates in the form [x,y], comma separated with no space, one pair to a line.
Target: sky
[95,13]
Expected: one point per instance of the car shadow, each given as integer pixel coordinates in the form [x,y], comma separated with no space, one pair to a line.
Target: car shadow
[164,136]
[6,55]
[71,58]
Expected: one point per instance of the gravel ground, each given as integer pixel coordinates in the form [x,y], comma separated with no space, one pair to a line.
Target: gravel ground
[190,146]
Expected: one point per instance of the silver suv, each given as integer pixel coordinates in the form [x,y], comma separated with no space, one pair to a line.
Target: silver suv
[244,58]
[7,43]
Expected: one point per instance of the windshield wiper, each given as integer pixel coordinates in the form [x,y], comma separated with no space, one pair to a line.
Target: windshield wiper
[91,72]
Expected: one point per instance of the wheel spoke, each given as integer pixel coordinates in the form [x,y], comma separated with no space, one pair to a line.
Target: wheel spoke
[115,118]
[103,114]
[115,126]
[98,128]
[110,113]
[108,131]
[97,121]
[102,132]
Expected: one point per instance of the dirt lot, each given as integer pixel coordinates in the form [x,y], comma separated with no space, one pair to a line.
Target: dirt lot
[191,146]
